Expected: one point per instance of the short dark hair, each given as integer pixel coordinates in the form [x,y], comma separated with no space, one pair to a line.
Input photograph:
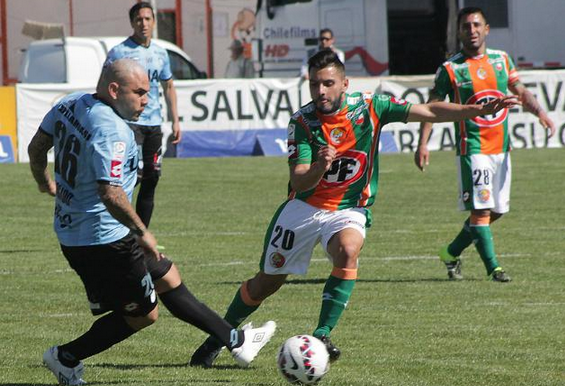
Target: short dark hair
[326,30]
[325,58]
[137,7]
[469,10]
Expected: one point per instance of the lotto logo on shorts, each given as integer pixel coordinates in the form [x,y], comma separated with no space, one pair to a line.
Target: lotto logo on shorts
[466,196]
[131,307]
[116,168]
[277,260]
[484,195]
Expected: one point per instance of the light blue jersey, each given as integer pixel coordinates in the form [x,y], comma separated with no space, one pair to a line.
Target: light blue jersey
[92,144]
[156,61]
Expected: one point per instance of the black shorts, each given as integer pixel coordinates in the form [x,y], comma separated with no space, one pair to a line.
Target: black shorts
[115,276]
[150,139]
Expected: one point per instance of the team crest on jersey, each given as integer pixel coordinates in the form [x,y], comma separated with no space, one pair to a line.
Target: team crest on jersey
[498,66]
[348,168]
[482,73]
[484,195]
[337,135]
[483,97]
[277,260]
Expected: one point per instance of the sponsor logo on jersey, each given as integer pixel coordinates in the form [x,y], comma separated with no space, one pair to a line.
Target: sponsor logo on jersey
[290,131]
[352,100]
[348,168]
[292,150]
[277,260]
[116,168]
[337,135]
[483,97]
[482,73]
[484,195]
[400,102]
[118,150]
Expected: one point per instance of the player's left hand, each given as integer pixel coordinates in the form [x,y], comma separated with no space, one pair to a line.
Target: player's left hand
[495,105]
[177,133]
[50,188]
[547,123]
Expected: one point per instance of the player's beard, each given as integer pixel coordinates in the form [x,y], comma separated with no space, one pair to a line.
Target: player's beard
[335,105]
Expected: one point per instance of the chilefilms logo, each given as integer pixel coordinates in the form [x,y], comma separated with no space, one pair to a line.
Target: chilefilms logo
[346,169]
[483,97]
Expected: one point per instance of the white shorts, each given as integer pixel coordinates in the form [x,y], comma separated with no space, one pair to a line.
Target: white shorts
[295,230]
[484,182]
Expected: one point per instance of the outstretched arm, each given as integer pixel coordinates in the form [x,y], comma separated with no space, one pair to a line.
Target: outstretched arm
[40,144]
[451,112]
[531,104]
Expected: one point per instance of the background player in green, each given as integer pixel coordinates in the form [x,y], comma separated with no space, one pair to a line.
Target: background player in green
[333,159]
[475,75]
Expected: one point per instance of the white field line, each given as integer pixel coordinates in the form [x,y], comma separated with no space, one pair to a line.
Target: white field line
[314,260]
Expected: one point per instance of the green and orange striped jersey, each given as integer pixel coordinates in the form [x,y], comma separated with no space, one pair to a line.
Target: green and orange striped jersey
[475,80]
[354,132]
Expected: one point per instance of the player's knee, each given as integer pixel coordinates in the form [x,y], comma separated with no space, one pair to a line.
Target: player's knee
[262,286]
[140,322]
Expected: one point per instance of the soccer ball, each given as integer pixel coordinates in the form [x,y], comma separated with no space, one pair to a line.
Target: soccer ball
[303,360]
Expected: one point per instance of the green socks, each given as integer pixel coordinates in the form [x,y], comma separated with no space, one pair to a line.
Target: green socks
[482,237]
[238,310]
[334,300]
[462,241]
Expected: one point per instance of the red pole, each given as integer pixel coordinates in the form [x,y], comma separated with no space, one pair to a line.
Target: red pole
[4,43]
[209,40]
[178,23]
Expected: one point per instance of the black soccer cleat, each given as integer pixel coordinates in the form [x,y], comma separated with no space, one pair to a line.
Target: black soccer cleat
[332,350]
[206,354]
[500,276]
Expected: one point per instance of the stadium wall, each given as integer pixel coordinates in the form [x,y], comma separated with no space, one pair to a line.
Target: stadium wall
[249,116]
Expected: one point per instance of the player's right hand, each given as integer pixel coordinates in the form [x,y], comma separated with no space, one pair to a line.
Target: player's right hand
[422,158]
[326,155]
[149,245]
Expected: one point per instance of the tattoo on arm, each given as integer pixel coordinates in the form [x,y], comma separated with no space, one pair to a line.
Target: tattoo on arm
[530,103]
[120,208]
[38,148]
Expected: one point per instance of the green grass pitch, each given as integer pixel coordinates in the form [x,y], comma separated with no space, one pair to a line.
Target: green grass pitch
[405,324]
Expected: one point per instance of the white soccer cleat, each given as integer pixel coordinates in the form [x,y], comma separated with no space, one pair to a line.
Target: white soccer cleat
[255,340]
[65,375]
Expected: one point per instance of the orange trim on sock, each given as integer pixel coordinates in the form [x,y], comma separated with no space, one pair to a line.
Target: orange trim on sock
[345,273]
[244,292]
[480,220]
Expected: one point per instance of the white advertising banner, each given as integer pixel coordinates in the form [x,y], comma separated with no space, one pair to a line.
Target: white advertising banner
[237,104]
[225,117]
